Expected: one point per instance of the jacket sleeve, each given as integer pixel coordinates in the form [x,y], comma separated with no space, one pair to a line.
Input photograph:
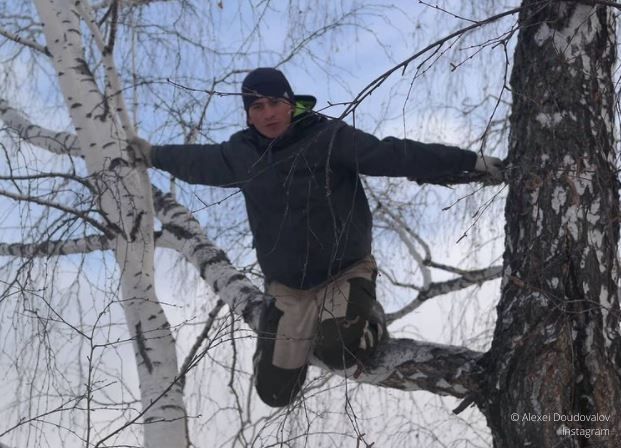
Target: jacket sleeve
[211,164]
[366,154]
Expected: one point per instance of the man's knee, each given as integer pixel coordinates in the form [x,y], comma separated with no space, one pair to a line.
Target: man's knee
[337,342]
[277,387]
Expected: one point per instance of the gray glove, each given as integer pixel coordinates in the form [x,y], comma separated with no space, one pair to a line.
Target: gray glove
[490,165]
[139,151]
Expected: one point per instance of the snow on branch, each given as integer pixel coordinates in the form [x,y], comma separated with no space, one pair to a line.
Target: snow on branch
[409,365]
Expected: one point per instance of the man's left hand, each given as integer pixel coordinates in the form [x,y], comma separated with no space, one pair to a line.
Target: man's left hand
[490,165]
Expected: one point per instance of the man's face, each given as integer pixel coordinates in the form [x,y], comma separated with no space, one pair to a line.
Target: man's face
[270,116]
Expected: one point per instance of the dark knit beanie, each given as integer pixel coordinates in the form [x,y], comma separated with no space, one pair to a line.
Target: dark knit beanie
[265,82]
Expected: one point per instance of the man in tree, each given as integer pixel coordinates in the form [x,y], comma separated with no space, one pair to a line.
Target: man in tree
[300,175]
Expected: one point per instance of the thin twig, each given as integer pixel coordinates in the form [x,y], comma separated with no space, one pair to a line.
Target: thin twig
[373,85]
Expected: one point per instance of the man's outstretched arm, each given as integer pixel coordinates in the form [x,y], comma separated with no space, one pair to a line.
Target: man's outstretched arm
[393,157]
[196,164]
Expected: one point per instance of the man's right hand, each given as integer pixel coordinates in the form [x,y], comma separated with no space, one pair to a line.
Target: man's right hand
[139,151]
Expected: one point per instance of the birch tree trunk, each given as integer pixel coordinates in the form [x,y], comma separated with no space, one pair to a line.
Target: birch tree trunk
[555,355]
[126,208]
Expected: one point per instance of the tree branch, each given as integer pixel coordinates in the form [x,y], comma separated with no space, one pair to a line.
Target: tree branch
[59,247]
[409,365]
[404,231]
[183,232]
[440,288]
[191,359]
[77,213]
[373,85]
[56,142]
[23,41]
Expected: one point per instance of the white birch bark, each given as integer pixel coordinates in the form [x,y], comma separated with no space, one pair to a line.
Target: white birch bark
[124,202]
[56,142]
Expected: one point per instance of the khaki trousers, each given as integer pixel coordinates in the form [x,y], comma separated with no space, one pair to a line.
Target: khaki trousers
[327,320]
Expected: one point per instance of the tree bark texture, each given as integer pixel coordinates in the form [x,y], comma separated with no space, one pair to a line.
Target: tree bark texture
[125,203]
[555,355]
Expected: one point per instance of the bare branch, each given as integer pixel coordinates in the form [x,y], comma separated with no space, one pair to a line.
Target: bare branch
[77,213]
[191,359]
[56,142]
[405,233]
[58,247]
[440,288]
[373,85]
[23,41]
[111,72]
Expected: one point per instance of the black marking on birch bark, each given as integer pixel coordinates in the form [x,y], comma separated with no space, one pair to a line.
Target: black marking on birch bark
[136,227]
[234,278]
[246,290]
[82,68]
[142,348]
[172,406]
[169,204]
[106,111]
[76,105]
[118,162]
[219,257]
[152,316]
[248,310]
[175,215]
[178,231]
[200,246]
[216,286]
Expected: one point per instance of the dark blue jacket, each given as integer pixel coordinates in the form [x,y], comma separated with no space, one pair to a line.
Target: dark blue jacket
[306,206]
